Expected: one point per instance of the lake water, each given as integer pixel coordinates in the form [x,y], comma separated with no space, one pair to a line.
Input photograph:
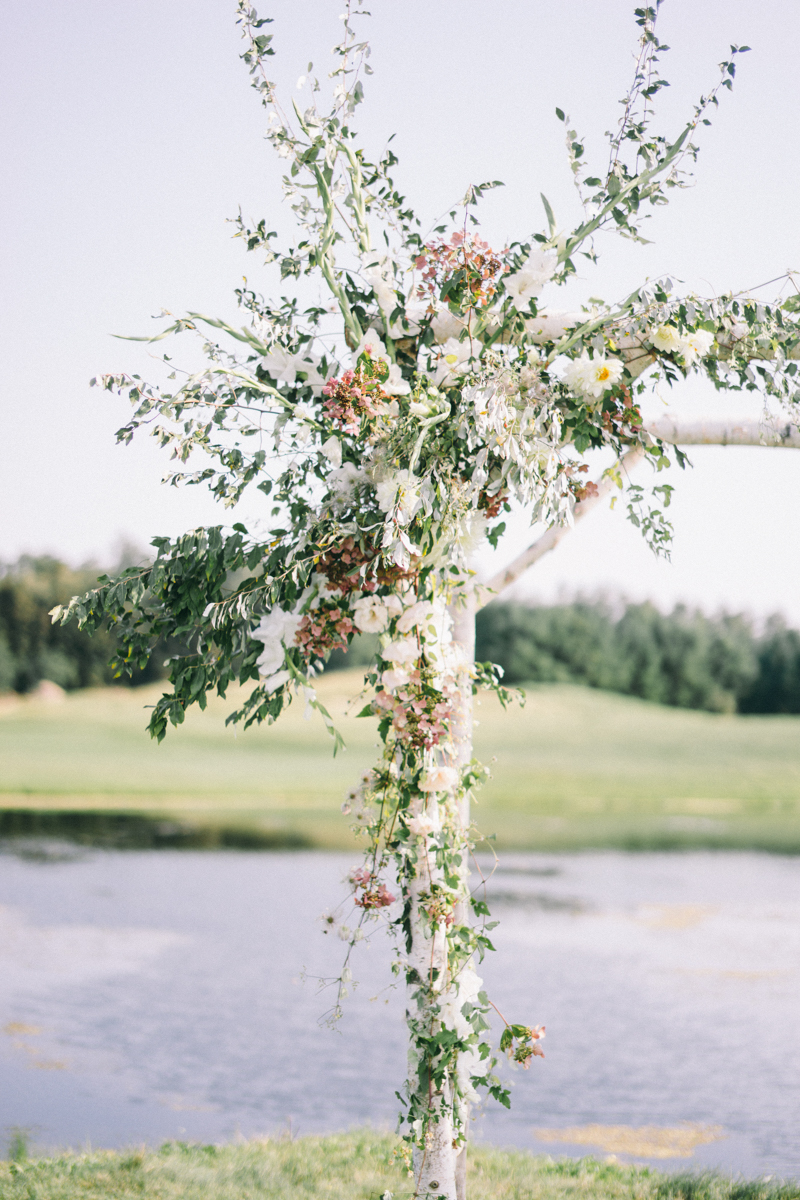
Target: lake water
[147,995]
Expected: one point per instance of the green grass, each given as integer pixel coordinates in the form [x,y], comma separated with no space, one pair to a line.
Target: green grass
[574,768]
[355,1166]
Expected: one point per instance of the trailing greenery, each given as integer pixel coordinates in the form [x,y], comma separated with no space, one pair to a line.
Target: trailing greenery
[683,658]
[353,1165]
[32,648]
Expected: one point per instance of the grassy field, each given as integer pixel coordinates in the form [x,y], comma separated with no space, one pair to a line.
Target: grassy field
[354,1166]
[574,768]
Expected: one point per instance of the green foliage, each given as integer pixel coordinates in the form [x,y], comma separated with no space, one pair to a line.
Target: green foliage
[683,658]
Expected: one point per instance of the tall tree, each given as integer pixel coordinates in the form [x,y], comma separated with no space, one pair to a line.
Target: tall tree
[392,422]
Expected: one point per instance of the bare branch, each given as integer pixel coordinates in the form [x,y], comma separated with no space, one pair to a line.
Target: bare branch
[549,540]
[724,433]
[677,433]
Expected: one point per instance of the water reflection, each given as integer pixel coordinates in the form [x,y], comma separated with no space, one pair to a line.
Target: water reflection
[154,994]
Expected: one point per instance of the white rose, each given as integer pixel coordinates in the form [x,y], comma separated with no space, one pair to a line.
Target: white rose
[439,779]
[666,338]
[420,826]
[370,615]
[397,677]
[344,480]
[414,616]
[404,650]
[394,605]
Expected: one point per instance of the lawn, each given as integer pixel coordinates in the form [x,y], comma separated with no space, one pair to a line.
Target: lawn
[355,1166]
[574,768]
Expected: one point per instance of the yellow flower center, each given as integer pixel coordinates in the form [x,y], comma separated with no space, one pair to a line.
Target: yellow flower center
[603,374]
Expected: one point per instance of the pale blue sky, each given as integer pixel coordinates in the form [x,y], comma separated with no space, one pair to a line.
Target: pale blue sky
[130,134]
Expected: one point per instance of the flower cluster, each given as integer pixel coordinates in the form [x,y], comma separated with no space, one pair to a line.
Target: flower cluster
[324,628]
[370,892]
[464,271]
[689,346]
[357,394]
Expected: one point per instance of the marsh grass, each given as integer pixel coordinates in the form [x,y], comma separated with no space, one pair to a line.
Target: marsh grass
[353,1166]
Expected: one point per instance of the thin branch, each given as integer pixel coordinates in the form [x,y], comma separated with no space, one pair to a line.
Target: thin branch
[724,433]
[693,433]
[549,540]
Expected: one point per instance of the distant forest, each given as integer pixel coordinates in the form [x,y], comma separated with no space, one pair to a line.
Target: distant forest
[683,658]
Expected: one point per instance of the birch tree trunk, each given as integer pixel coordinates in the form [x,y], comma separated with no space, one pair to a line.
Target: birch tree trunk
[440,1166]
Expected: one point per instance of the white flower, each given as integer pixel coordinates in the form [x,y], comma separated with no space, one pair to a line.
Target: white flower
[399,491]
[526,284]
[395,385]
[551,325]
[343,480]
[688,346]
[332,449]
[371,339]
[593,376]
[666,338]
[446,325]
[695,345]
[403,650]
[303,412]
[418,614]
[273,682]
[397,677]
[377,272]
[408,327]
[472,531]
[370,614]
[469,1063]
[394,605]
[281,365]
[275,630]
[439,779]
[454,361]
[420,826]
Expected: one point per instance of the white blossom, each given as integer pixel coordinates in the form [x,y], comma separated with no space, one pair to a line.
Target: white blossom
[276,630]
[402,650]
[695,345]
[526,284]
[439,779]
[454,361]
[332,449]
[688,346]
[377,273]
[396,677]
[420,826]
[400,491]
[593,376]
[344,480]
[667,338]
[446,325]
[370,614]
[551,325]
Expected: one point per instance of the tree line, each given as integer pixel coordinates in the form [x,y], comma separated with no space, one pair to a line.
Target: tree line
[682,658]
[32,648]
